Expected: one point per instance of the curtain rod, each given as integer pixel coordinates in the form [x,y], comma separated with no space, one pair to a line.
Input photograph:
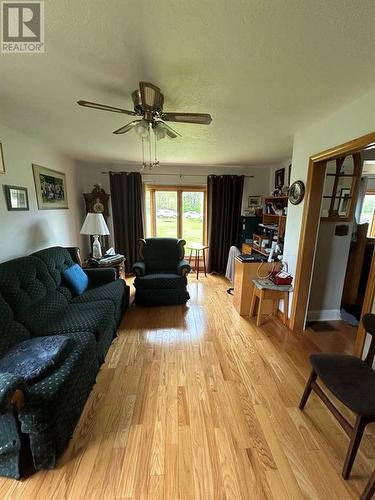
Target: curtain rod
[180,175]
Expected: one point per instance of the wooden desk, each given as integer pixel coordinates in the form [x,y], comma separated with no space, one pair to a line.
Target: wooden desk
[244,273]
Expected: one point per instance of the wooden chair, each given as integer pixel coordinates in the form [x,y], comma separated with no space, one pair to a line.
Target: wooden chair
[369,490]
[352,381]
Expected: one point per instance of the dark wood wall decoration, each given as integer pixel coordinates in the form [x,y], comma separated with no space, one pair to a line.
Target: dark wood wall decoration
[98,202]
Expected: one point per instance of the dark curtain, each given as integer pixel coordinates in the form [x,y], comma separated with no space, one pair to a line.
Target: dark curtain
[127,211]
[224,201]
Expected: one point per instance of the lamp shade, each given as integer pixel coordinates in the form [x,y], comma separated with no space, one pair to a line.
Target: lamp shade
[94,224]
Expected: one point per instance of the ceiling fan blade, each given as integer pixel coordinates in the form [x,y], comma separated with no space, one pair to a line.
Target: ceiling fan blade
[170,132]
[150,96]
[127,127]
[104,107]
[201,118]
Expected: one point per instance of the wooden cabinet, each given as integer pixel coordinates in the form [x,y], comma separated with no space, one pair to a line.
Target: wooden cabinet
[340,188]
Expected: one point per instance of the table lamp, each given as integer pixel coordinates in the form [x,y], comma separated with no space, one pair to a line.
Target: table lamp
[95,225]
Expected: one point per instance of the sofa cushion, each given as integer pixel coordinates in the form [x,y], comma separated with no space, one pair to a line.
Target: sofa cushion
[57,260]
[34,318]
[11,331]
[160,281]
[91,317]
[24,282]
[76,279]
[113,291]
[33,358]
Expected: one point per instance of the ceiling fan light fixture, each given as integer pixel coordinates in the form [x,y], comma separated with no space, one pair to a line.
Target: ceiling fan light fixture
[142,129]
[159,130]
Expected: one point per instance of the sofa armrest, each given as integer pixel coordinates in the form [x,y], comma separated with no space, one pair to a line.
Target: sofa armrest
[139,268]
[12,391]
[183,268]
[100,276]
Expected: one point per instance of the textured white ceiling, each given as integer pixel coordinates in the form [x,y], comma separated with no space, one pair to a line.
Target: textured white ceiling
[262,68]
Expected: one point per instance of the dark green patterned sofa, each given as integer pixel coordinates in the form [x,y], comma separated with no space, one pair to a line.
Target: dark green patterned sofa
[35,301]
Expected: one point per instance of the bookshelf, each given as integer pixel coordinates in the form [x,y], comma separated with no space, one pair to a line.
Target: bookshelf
[272,224]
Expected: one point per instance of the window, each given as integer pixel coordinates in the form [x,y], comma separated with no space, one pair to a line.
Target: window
[368,212]
[176,212]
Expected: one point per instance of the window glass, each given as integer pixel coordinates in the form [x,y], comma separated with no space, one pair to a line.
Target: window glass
[192,216]
[367,213]
[148,214]
[166,213]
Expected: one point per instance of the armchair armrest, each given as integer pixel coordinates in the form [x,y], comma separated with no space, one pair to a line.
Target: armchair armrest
[12,390]
[183,268]
[139,268]
[100,276]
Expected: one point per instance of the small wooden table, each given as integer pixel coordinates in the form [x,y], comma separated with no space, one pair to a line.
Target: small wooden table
[265,289]
[197,247]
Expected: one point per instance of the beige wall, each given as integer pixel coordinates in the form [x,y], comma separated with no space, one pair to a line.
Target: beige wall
[24,232]
[347,123]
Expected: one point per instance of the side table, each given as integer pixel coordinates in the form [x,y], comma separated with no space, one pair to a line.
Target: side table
[118,265]
[197,248]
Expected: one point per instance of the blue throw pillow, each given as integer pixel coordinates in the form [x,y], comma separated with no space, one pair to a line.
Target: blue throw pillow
[76,278]
[34,357]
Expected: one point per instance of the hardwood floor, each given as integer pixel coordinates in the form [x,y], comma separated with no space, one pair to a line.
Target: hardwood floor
[199,403]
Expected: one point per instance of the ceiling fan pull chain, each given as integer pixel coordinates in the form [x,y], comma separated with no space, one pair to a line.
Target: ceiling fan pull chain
[143,154]
[149,149]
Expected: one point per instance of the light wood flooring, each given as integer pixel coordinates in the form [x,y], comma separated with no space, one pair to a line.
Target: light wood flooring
[199,403]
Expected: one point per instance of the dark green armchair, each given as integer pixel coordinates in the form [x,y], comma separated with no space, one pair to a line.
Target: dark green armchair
[161,273]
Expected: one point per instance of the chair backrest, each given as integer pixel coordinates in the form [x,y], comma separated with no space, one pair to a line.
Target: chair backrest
[368,321]
[161,254]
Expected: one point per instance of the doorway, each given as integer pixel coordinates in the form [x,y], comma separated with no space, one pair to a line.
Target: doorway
[310,226]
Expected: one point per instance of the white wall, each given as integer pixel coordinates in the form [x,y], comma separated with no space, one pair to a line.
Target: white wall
[329,272]
[90,173]
[349,122]
[24,232]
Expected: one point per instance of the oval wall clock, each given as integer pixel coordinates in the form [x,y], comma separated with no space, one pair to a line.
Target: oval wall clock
[296,192]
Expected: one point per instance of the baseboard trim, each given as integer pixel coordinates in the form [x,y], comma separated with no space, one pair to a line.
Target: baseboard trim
[324,315]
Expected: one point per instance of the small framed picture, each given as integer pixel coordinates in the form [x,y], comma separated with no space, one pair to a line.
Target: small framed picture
[254,201]
[279,178]
[16,197]
[2,162]
[50,187]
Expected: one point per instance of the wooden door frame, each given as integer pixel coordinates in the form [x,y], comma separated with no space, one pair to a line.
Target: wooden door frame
[309,234]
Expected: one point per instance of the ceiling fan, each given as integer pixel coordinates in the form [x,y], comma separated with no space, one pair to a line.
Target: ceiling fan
[148,104]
